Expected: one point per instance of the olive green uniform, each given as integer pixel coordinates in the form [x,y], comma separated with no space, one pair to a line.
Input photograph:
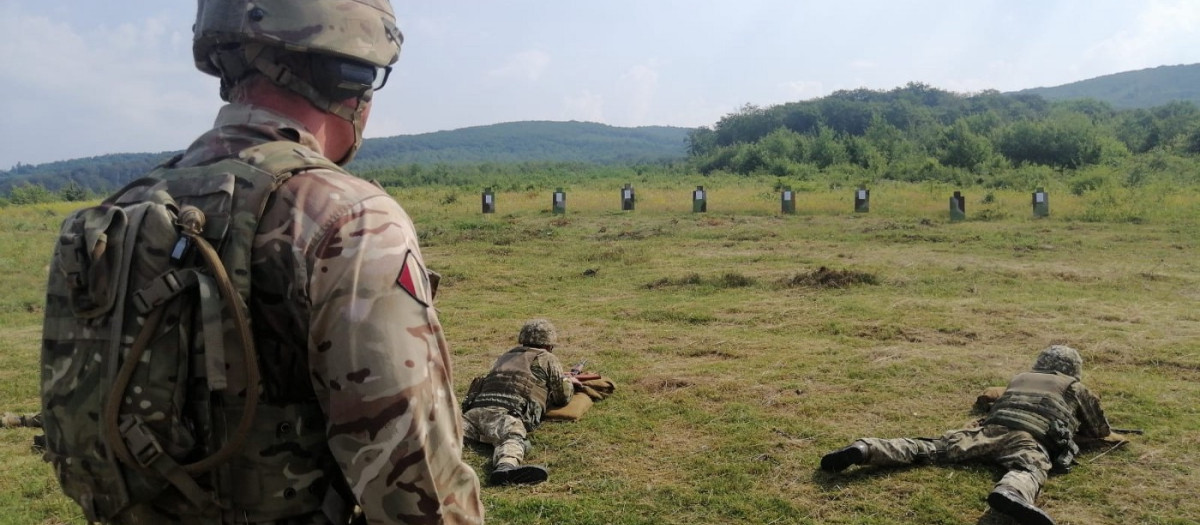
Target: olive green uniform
[1027,431]
[511,400]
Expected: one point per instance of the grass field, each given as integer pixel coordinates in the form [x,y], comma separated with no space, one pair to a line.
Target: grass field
[736,370]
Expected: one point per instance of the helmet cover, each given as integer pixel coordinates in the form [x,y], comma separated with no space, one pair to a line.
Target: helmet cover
[538,332]
[1060,358]
[362,30]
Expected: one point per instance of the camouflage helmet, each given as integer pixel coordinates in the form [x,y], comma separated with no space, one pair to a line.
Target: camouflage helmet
[1060,358]
[363,30]
[539,333]
[350,44]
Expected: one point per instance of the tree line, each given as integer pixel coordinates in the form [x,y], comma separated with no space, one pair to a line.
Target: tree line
[919,133]
[911,133]
[464,151]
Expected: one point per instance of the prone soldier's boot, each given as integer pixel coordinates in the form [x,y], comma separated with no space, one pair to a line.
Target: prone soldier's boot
[1011,503]
[839,460]
[507,474]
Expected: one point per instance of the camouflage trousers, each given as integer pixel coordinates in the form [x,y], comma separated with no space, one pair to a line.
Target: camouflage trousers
[1026,460]
[496,427]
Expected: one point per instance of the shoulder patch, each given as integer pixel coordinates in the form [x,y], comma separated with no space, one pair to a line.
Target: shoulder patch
[414,280]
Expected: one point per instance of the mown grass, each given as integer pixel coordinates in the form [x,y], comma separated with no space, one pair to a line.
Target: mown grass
[737,368]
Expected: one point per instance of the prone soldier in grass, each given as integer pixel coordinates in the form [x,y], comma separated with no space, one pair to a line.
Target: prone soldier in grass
[1033,427]
[502,407]
[11,420]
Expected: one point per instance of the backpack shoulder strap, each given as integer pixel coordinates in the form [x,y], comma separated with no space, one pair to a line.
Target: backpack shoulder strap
[285,157]
[234,194]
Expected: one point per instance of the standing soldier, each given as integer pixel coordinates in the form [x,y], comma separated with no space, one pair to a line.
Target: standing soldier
[1031,428]
[352,418]
[503,406]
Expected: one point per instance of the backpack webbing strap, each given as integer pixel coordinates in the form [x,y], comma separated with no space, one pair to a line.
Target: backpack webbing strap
[241,321]
[148,453]
[112,405]
[108,425]
[214,337]
[272,163]
[162,288]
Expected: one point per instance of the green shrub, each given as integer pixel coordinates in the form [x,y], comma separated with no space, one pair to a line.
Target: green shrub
[31,194]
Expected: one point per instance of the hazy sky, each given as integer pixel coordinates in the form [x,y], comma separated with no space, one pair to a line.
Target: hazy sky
[89,77]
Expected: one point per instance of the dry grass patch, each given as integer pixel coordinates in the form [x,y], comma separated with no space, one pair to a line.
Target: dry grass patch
[826,278]
[725,280]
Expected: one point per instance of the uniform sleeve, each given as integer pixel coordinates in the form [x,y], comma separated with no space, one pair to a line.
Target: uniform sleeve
[1092,422]
[558,390]
[381,371]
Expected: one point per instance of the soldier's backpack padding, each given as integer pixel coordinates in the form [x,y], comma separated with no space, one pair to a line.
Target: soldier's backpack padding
[145,321]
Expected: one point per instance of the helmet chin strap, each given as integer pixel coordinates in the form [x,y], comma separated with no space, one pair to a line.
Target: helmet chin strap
[263,59]
[357,123]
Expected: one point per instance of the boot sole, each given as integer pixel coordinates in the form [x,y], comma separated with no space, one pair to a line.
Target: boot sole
[523,475]
[1023,513]
[527,475]
[841,460]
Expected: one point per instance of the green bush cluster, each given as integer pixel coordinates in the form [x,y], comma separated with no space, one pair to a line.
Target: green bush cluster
[27,193]
[919,133]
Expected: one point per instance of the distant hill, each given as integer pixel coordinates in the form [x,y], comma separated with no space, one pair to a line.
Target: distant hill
[531,141]
[545,141]
[528,141]
[1145,88]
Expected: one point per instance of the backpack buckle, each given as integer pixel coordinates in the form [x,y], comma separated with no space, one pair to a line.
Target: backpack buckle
[165,286]
[142,445]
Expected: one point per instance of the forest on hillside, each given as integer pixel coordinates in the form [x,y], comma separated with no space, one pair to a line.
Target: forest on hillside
[920,133]
[460,151]
[529,141]
[1144,88]
[910,133]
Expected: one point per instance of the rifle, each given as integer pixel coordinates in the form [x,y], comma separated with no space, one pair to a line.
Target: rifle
[578,368]
[577,372]
[1137,431]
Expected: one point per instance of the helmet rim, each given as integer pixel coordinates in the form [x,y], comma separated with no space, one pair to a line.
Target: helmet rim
[360,30]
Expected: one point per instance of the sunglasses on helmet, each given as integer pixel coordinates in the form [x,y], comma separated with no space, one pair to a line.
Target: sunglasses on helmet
[340,78]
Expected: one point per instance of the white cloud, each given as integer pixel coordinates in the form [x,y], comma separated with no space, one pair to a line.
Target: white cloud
[1158,31]
[526,65]
[585,105]
[427,26]
[803,89]
[863,63]
[637,88]
[108,89]
[699,111]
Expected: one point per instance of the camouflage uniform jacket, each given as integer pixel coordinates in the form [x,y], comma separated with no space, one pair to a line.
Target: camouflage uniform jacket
[1051,407]
[342,313]
[525,381]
